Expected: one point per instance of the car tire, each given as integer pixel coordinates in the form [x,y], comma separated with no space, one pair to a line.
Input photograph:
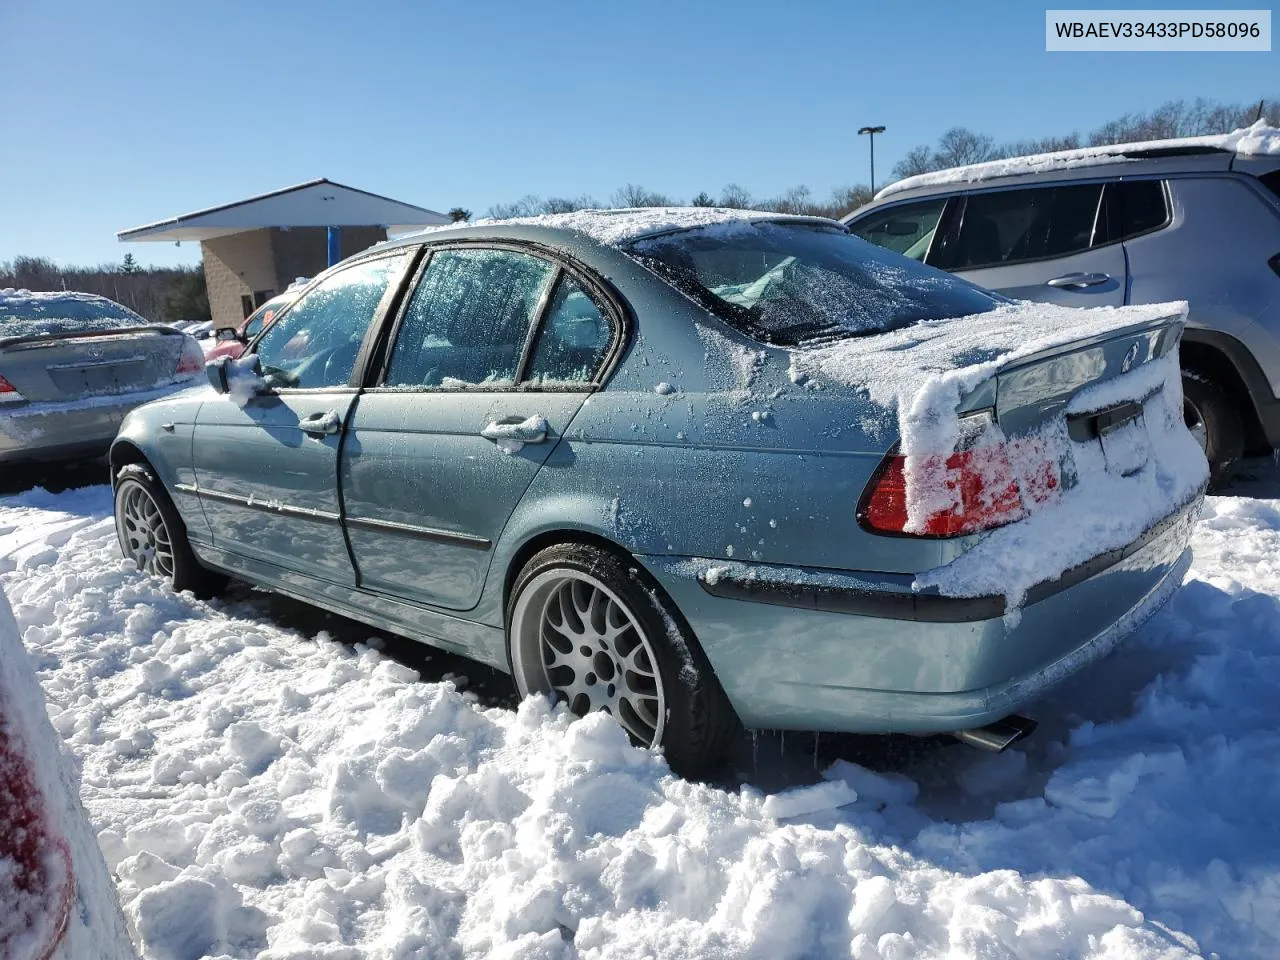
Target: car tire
[580,617]
[1211,415]
[153,536]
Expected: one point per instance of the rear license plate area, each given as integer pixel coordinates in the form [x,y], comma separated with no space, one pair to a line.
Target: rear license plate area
[1122,433]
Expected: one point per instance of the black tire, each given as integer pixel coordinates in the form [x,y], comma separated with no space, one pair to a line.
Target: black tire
[1223,426]
[699,721]
[187,572]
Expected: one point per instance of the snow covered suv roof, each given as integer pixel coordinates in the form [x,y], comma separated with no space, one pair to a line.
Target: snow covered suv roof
[1257,140]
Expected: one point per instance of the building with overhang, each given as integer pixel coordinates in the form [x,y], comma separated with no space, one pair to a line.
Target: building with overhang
[253,249]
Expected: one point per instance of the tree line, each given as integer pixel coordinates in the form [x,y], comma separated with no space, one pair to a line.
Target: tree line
[160,294]
[956,147]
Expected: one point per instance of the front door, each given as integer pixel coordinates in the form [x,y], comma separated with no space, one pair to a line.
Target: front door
[1043,243]
[267,467]
[476,393]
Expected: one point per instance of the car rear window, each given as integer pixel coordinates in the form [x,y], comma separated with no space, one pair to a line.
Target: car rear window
[24,314]
[789,284]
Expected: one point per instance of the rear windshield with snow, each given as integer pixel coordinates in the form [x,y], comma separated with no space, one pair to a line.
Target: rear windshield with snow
[27,315]
[791,284]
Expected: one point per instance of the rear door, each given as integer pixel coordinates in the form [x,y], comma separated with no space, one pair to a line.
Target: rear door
[267,472]
[475,394]
[1037,243]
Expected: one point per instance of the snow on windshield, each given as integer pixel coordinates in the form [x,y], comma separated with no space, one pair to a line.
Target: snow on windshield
[26,314]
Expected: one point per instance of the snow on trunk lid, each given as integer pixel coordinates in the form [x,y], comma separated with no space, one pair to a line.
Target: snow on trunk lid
[1057,433]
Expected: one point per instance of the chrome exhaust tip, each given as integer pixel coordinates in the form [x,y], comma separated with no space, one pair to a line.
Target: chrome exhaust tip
[997,736]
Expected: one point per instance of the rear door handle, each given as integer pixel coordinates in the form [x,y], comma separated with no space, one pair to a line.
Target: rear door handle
[1079,280]
[321,424]
[512,433]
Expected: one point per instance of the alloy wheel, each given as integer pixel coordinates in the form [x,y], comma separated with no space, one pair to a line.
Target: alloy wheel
[146,536]
[574,637]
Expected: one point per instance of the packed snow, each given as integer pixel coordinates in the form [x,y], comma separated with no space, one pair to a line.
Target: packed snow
[72,884]
[244,379]
[1260,139]
[259,792]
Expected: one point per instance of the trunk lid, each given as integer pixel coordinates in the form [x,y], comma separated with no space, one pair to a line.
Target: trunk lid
[68,366]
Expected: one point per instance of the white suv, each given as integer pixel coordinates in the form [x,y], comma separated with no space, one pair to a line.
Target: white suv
[1195,220]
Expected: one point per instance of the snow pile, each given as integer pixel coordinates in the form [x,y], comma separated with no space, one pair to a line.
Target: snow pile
[260,794]
[39,782]
[1256,140]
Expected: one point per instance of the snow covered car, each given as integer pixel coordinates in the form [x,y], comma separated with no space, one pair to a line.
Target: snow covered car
[73,364]
[231,341]
[693,467]
[57,898]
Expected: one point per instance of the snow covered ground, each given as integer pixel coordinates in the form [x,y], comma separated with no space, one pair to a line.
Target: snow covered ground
[262,788]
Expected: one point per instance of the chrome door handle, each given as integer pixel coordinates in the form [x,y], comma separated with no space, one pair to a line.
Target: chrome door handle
[321,424]
[1079,280]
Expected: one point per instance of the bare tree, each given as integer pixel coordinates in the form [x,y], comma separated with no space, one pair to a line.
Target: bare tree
[634,195]
[703,199]
[735,197]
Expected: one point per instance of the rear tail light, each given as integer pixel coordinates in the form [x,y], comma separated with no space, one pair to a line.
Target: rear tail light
[192,360]
[968,491]
[8,392]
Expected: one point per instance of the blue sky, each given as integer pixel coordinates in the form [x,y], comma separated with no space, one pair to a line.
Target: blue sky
[120,114]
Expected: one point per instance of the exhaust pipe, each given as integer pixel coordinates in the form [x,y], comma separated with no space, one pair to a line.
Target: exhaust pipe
[997,736]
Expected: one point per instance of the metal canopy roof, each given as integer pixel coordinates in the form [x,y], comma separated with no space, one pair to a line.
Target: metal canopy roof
[317,203]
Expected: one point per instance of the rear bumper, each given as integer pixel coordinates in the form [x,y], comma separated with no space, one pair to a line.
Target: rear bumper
[79,428]
[894,661]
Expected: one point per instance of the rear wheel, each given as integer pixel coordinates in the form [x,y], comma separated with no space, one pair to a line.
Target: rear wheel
[1215,423]
[152,535]
[590,628]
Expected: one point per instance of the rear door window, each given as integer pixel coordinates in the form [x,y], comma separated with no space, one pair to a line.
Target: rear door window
[907,229]
[573,339]
[1015,226]
[468,320]
[1131,208]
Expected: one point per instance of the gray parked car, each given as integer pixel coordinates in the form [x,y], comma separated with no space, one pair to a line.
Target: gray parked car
[73,364]
[582,450]
[1195,220]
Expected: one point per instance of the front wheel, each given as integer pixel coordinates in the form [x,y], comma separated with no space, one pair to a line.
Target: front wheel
[1216,424]
[152,535]
[589,628]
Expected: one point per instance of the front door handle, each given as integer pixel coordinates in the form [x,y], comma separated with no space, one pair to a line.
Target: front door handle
[1079,280]
[512,433]
[321,424]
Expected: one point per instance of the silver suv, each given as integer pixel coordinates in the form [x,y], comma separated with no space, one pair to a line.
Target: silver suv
[1171,220]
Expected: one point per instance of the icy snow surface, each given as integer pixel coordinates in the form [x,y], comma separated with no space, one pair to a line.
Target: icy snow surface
[244,380]
[1256,140]
[262,793]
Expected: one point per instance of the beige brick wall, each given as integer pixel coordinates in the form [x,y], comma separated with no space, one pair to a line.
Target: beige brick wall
[236,266]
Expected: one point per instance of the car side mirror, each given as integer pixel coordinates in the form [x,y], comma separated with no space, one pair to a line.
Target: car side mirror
[227,333]
[216,371]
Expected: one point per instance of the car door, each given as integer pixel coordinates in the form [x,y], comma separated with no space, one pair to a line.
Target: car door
[1037,243]
[267,471]
[474,395]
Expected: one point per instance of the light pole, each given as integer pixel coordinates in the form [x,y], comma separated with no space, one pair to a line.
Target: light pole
[871,132]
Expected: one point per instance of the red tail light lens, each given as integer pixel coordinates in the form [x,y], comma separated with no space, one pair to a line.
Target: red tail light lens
[982,488]
[8,392]
[192,359]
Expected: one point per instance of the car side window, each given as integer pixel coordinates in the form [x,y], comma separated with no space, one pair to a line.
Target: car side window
[315,344]
[1130,208]
[467,322]
[574,337]
[1012,226]
[906,229]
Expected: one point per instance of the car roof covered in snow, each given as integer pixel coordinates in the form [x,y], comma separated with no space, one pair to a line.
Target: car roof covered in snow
[1255,141]
[614,228]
